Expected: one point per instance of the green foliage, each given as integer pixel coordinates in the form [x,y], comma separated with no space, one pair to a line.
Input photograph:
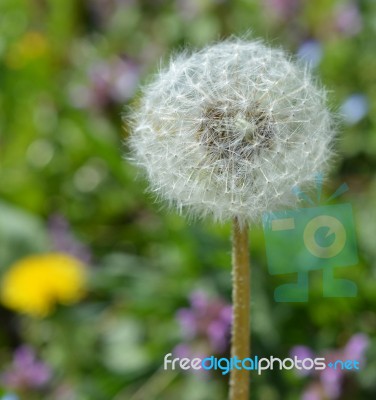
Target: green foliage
[67,68]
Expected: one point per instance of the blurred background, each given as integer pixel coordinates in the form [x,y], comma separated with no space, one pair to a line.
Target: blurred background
[98,282]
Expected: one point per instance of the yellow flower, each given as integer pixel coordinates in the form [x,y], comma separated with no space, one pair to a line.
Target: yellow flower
[36,283]
[31,46]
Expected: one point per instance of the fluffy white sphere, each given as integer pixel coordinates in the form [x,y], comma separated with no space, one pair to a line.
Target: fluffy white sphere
[229,130]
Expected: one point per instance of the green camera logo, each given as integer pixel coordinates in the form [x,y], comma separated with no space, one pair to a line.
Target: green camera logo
[314,238]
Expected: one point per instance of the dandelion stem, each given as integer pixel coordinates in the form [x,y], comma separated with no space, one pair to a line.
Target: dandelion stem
[240,342]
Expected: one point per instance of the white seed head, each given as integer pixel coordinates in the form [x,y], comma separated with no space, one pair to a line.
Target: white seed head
[229,130]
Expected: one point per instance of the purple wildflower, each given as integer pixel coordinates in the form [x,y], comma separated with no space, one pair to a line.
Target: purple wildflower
[187,321]
[354,108]
[208,319]
[64,241]
[284,9]
[355,347]
[328,383]
[183,350]
[109,82]
[332,379]
[187,9]
[302,352]
[348,20]
[313,392]
[310,52]
[114,81]
[25,371]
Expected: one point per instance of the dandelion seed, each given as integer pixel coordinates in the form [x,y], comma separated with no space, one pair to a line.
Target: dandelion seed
[231,147]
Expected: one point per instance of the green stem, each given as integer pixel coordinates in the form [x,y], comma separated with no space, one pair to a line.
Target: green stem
[240,341]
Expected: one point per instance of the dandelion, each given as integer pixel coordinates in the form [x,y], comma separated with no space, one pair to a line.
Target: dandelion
[226,132]
[36,283]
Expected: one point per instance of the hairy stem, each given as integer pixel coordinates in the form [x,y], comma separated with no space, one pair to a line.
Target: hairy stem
[240,342]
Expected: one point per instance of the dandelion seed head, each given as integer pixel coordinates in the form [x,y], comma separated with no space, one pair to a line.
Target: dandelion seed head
[229,130]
